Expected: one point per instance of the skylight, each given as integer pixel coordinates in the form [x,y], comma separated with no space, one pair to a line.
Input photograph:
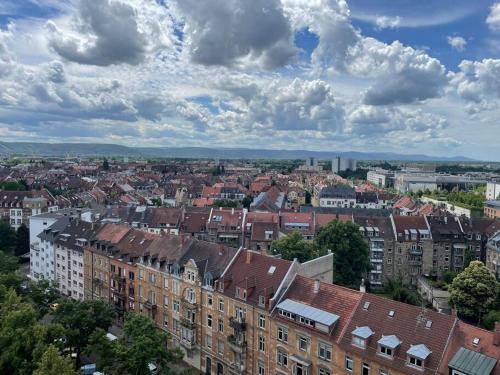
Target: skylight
[391,313]
[271,270]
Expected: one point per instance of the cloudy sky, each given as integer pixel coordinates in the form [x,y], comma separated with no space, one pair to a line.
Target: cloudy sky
[404,76]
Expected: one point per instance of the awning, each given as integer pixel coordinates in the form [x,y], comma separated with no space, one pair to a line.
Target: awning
[472,363]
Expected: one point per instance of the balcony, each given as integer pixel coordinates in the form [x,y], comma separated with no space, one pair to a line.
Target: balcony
[188,344]
[238,325]
[236,344]
[237,368]
[188,304]
[188,323]
[118,278]
[416,251]
[150,305]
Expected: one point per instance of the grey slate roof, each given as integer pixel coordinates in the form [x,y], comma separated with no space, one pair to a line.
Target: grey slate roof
[472,363]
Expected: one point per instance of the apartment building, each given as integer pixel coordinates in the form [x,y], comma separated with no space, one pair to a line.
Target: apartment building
[493,255]
[226,226]
[389,337]
[492,191]
[337,196]
[306,326]
[69,245]
[492,209]
[43,254]
[239,339]
[261,228]
[412,254]
[378,233]
[97,260]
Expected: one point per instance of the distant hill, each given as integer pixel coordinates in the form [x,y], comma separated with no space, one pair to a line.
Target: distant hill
[90,149]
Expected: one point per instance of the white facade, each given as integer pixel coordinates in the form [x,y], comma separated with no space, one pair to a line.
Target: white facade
[16,217]
[337,202]
[492,191]
[41,252]
[379,177]
[42,264]
[69,272]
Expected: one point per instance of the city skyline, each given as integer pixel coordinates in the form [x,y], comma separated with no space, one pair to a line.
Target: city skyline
[417,78]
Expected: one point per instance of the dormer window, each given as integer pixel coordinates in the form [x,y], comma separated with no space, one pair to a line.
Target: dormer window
[360,335]
[417,355]
[388,344]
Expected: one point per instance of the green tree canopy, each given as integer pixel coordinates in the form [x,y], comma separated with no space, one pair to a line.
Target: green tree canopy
[81,319]
[7,237]
[22,240]
[141,344]
[350,252]
[294,246]
[53,363]
[474,291]
[8,263]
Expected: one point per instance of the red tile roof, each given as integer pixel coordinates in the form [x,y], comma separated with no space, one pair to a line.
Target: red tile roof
[251,271]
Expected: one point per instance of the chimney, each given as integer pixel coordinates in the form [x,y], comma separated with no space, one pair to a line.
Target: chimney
[249,257]
[316,286]
[362,287]
[446,219]
[496,337]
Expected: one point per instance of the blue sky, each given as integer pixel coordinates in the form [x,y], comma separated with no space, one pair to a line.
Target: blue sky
[363,75]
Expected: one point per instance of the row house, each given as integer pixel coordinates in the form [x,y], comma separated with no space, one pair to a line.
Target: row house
[337,196]
[271,200]
[225,191]
[477,232]
[18,206]
[302,222]
[194,223]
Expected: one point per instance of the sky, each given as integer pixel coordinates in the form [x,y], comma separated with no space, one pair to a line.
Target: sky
[401,76]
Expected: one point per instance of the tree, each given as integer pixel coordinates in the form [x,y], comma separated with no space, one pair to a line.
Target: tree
[247,201]
[7,237]
[294,246]
[42,294]
[22,240]
[53,363]
[490,319]
[81,319]
[474,291]
[8,263]
[350,252]
[12,186]
[141,344]
[399,292]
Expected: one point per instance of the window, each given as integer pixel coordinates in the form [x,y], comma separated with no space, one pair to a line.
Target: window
[165,282]
[358,341]
[220,347]
[221,305]
[176,306]
[386,351]
[365,369]
[141,274]
[283,334]
[282,358]
[323,371]
[262,344]
[191,295]
[303,343]
[261,369]
[209,320]
[414,361]
[262,321]
[349,363]
[165,300]
[383,372]
[175,286]
[209,300]
[208,341]
[324,351]
[221,325]
[152,278]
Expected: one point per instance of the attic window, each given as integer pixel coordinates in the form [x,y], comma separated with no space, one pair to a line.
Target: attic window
[391,313]
[475,341]
[366,305]
[428,324]
[271,270]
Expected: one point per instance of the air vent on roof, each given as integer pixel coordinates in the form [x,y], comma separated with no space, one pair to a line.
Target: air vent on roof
[428,324]
[271,270]
[366,305]
[475,341]
[391,313]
